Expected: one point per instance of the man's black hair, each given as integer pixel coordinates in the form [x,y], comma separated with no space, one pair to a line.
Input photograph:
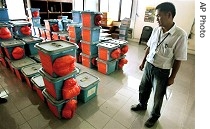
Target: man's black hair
[167,7]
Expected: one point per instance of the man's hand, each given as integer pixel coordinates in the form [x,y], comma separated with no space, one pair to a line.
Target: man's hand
[170,81]
[141,67]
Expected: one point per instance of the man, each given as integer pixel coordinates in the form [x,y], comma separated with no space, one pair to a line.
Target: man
[3,100]
[167,47]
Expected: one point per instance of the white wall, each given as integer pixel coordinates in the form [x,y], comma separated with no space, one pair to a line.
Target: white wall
[184,17]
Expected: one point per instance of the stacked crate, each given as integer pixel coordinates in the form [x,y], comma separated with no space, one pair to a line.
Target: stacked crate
[51,25]
[74,32]
[62,34]
[35,20]
[58,72]
[21,29]
[108,53]
[91,22]
[123,45]
[30,50]
[4,17]
[18,48]
[6,34]
[124,27]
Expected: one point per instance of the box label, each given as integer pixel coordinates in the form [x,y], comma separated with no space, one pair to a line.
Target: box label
[91,91]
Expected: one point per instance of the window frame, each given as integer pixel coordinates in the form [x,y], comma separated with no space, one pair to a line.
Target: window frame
[120,8]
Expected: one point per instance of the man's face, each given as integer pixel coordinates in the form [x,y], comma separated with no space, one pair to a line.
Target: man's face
[162,18]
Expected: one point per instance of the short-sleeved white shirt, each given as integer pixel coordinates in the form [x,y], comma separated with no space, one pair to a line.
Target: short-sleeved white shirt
[173,47]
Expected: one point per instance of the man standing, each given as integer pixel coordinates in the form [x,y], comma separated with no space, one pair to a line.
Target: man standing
[167,47]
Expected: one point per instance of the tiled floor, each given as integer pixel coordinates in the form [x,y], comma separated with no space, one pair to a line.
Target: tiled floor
[110,109]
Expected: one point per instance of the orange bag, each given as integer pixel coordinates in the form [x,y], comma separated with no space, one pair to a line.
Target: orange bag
[124,49]
[18,53]
[64,65]
[116,53]
[122,62]
[26,30]
[69,109]
[70,89]
[98,19]
[5,33]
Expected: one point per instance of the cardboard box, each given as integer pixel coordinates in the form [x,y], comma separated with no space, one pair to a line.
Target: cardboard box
[106,22]
[106,14]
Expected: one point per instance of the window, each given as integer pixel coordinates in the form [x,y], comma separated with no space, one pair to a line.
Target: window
[16,9]
[118,9]
[124,11]
[78,5]
[91,5]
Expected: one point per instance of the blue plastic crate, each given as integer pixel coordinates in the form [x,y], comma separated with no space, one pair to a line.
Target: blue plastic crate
[29,45]
[89,60]
[89,48]
[51,50]
[74,30]
[65,23]
[89,86]
[105,49]
[38,85]
[4,17]
[91,19]
[118,42]
[29,71]
[123,37]
[18,64]
[60,24]
[106,67]
[36,21]
[32,10]
[76,16]
[91,34]
[6,26]
[18,25]
[10,45]
[54,105]
[54,85]
[49,23]
[123,30]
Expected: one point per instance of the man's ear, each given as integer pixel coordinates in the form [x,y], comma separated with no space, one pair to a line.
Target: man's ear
[169,14]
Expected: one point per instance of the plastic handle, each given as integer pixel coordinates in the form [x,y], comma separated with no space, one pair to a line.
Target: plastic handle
[56,45]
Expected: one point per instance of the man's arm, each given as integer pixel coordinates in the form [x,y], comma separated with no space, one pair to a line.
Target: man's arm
[175,69]
[144,59]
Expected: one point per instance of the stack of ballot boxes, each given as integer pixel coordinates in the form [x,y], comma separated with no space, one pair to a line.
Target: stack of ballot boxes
[6,34]
[35,20]
[90,37]
[111,55]
[74,31]
[58,71]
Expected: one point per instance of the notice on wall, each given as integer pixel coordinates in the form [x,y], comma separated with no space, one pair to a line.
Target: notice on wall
[149,14]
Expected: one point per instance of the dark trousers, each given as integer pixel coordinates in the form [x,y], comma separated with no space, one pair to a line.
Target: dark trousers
[156,79]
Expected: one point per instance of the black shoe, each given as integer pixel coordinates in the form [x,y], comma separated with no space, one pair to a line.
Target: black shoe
[150,122]
[3,100]
[138,107]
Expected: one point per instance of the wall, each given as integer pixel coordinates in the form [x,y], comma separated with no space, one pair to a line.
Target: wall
[184,17]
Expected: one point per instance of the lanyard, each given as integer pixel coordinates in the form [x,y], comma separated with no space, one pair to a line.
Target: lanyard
[159,43]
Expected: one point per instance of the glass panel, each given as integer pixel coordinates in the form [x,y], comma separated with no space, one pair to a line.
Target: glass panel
[78,5]
[126,9]
[91,5]
[114,9]
[104,6]
[13,11]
